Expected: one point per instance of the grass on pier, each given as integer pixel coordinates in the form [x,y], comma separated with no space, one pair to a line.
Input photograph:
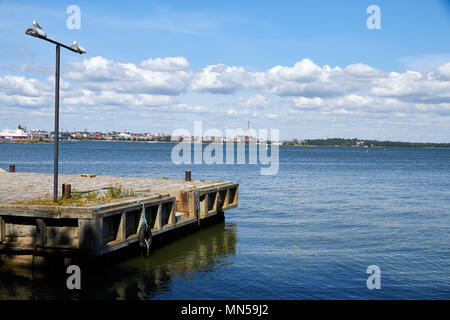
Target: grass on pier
[112,194]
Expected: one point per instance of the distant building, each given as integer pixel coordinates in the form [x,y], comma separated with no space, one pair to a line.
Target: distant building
[124,136]
[38,134]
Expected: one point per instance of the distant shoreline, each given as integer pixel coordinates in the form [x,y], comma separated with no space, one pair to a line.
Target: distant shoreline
[359,147]
[26,141]
[307,143]
[360,143]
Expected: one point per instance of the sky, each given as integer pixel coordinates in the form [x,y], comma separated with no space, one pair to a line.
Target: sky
[312,69]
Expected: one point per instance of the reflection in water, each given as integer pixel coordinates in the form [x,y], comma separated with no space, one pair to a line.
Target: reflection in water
[139,278]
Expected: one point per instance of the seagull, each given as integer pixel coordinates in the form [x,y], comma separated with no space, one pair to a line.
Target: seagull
[36,24]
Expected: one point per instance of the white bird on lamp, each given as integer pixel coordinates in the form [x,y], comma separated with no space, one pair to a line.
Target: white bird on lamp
[36,24]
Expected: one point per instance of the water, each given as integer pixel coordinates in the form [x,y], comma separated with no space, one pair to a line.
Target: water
[309,232]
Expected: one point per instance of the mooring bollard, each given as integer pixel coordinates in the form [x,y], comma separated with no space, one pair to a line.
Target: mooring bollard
[67,191]
[188,175]
[12,168]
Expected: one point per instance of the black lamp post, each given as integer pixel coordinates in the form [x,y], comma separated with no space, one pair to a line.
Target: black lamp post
[36,32]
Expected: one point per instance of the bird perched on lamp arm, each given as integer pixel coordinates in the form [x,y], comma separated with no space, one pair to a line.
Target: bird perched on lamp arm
[36,24]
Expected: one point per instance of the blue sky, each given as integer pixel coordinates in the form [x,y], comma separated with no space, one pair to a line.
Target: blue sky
[309,68]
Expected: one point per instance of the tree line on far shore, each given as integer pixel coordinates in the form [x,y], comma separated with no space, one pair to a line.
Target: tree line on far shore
[341,142]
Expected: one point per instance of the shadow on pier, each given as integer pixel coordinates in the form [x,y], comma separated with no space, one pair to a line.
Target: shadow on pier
[143,277]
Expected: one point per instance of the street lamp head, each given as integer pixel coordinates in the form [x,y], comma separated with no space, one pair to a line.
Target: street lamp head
[36,33]
[77,48]
[81,50]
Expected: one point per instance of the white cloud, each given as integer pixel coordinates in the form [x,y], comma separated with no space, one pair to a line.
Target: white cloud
[224,79]
[341,112]
[272,116]
[424,62]
[63,84]
[444,70]
[303,71]
[168,86]
[305,78]
[19,91]
[165,64]
[185,108]
[104,98]
[162,76]
[22,100]
[357,104]
[11,85]
[309,80]
[258,101]
[303,102]
[353,100]
[414,86]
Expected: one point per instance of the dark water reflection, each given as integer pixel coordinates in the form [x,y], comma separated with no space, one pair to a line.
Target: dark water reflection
[205,251]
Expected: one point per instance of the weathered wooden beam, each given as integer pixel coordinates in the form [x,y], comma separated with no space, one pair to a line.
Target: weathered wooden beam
[87,234]
[194,204]
[173,210]
[122,232]
[41,232]
[236,194]
[158,222]
[2,229]
[31,211]
[205,205]
[225,202]
[216,197]
[99,233]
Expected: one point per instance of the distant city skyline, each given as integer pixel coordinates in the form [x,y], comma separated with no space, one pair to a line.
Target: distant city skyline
[311,70]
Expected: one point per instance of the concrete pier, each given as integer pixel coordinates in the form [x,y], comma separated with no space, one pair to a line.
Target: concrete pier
[98,227]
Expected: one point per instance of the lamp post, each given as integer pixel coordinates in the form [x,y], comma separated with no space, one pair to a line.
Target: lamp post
[36,32]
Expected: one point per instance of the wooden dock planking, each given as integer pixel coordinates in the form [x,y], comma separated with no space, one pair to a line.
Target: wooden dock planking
[107,227]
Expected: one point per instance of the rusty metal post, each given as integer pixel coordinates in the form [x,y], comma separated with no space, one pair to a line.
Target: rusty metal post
[188,175]
[67,191]
[12,168]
